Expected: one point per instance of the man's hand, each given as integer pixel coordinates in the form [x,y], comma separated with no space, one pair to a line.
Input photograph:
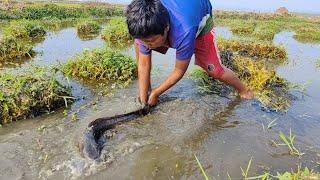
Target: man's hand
[153,97]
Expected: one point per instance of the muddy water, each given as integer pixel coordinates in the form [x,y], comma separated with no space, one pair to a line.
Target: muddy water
[224,133]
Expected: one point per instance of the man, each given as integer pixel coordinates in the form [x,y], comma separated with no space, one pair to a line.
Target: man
[186,26]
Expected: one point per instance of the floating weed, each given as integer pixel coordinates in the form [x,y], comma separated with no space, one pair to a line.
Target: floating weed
[102,64]
[201,168]
[116,34]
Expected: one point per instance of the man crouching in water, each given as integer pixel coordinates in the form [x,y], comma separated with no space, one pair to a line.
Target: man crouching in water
[186,26]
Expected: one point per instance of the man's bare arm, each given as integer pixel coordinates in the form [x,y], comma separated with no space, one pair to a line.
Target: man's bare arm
[144,68]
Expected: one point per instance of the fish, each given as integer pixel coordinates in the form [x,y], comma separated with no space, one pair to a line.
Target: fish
[93,142]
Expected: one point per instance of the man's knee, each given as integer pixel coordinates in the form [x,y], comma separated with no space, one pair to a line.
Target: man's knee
[215,72]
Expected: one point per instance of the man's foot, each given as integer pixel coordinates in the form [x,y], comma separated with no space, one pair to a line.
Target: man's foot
[247,94]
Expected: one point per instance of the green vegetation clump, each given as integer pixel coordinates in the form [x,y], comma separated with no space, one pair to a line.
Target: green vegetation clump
[12,48]
[308,34]
[24,29]
[18,38]
[266,25]
[269,89]
[253,49]
[29,94]
[102,64]
[40,10]
[88,27]
[116,33]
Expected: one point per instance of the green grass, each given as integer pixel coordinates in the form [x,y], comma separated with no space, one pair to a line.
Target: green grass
[18,38]
[263,26]
[12,48]
[289,142]
[102,64]
[30,93]
[305,173]
[201,168]
[116,33]
[269,89]
[261,50]
[40,10]
[24,29]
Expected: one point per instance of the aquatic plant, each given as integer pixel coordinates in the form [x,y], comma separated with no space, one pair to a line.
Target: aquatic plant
[268,24]
[116,33]
[266,30]
[60,10]
[253,49]
[305,173]
[318,63]
[102,64]
[13,48]
[308,34]
[24,29]
[269,89]
[30,93]
[289,142]
[201,168]
[245,173]
[88,27]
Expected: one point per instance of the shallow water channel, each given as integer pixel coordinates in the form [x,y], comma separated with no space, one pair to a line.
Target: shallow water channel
[224,133]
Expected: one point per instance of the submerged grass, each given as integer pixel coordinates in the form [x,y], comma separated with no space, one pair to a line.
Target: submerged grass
[201,168]
[29,94]
[116,34]
[289,142]
[102,64]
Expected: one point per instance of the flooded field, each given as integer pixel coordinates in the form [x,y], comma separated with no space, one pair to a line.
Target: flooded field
[224,133]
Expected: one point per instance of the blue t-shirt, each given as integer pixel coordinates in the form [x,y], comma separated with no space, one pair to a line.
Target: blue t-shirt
[186,20]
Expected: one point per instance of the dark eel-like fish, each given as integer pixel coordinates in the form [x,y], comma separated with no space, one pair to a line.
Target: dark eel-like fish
[92,142]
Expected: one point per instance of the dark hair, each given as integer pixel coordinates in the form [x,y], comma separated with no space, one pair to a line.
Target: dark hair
[146,18]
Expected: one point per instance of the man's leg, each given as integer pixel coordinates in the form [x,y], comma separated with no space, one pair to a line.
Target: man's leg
[207,57]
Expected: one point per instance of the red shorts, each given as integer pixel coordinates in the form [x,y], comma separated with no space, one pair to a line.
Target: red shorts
[206,54]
